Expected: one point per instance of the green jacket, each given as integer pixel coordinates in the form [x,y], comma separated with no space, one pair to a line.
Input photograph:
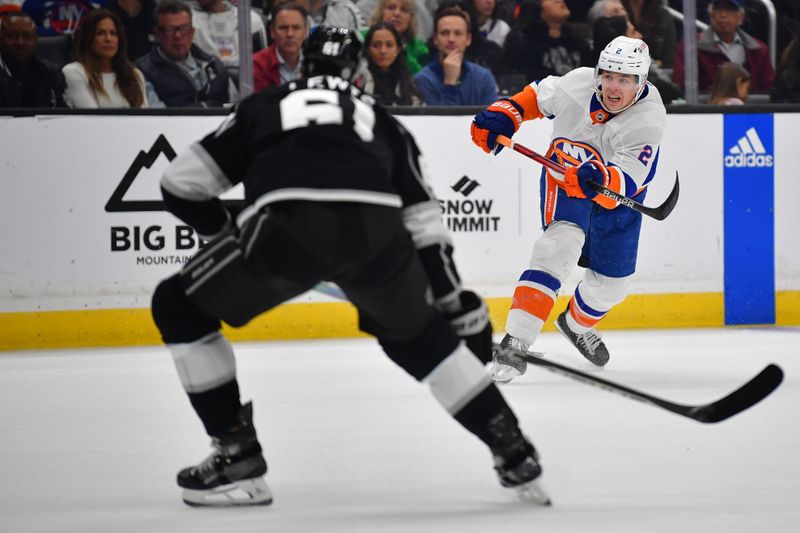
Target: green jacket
[417,53]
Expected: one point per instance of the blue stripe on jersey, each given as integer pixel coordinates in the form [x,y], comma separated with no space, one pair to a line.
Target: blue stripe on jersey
[749,223]
[542,278]
[585,308]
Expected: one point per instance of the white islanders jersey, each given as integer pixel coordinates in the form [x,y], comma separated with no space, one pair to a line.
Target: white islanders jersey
[584,130]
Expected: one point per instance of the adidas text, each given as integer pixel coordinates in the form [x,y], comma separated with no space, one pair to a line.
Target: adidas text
[748,160]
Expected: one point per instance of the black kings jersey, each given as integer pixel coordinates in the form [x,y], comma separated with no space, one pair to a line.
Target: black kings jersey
[318,140]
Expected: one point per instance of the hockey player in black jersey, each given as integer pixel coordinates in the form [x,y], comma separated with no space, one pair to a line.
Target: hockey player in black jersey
[334,191]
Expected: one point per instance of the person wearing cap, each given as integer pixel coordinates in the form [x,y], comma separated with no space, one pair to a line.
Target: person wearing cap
[726,42]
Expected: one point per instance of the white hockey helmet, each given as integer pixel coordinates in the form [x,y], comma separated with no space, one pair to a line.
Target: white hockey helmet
[625,55]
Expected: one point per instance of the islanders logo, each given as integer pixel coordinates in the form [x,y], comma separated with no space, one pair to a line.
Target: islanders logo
[572,153]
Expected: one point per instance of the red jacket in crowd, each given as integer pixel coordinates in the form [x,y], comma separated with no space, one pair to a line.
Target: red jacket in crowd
[265,68]
[710,57]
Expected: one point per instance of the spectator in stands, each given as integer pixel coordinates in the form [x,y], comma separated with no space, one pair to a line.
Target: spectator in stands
[402,14]
[485,53]
[451,79]
[655,23]
[605,8]
[725,41]
[137,18]
[25,80]
[341,13]
[490,25]
[605,29]
[216,31]
[701,8]
[731,85]
[398,12]
[181,73]
[387,77]
[10,6]
[103,76]
[787,81]
[544,44]
[280,62]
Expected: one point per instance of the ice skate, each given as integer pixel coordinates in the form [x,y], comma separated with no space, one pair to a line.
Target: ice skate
[590,344]
[516,460]
[505,365]
[233,474]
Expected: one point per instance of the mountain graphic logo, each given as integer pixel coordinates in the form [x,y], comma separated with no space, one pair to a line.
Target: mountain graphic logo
[749,152]
[143,161]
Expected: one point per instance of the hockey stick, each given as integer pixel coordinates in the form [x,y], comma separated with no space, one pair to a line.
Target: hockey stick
[746,396]
[749,394]
[659,213]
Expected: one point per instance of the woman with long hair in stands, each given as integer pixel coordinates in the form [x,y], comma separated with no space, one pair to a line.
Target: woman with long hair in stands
[731,85]
[402,14]
[387,77]
[103,76]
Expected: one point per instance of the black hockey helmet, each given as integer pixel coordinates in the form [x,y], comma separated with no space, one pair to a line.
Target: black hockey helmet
[333,51]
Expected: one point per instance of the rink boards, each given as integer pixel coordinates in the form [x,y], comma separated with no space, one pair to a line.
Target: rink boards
[85,240]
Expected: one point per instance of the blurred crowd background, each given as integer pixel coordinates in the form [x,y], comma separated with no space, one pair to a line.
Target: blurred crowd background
[171,53]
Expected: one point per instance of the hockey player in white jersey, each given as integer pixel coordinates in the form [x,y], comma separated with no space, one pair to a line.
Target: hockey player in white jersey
[607,126]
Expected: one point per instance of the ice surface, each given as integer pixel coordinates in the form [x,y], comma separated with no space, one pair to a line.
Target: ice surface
[90,440]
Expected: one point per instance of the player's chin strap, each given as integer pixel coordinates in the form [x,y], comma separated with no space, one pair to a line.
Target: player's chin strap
[659,213]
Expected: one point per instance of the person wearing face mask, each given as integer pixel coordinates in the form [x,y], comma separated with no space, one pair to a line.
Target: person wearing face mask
[608,123]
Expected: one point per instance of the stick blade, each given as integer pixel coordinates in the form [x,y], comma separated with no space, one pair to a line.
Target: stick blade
[742,398]
[662,211]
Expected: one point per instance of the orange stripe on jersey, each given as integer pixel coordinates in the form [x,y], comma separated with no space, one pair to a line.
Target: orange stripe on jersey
[614,182]
[532,301]
[550,198]
[582,319]
[529,102]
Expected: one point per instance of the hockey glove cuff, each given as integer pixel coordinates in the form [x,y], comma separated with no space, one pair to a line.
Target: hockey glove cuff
[472,324]
[501,118]
[577,179]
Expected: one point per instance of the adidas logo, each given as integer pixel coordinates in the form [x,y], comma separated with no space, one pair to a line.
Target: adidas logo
[749,152]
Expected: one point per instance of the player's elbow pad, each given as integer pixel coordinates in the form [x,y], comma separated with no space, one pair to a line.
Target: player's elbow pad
[209,218]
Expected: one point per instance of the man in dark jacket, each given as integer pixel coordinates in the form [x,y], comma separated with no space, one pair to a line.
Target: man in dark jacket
[182,74]
[725,42]
[25,80]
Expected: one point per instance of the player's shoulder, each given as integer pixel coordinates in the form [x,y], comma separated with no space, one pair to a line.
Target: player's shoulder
[580,74]
[575,82]
[651,104]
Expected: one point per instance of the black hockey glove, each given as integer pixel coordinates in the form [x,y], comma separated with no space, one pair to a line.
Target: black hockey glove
[472,324]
